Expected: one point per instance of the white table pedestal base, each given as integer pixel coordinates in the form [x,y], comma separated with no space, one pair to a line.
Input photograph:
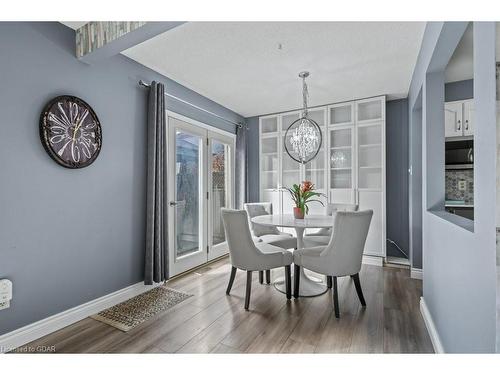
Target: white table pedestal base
[309,286]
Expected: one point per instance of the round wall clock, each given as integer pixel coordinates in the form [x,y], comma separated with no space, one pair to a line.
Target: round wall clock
[70,132]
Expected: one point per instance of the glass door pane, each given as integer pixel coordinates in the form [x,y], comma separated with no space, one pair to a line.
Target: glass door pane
[269,125]
[341,114]
[188,204]
[269,163]
[187,191]
[219,189]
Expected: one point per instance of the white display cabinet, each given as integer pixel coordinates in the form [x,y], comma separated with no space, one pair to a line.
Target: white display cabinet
[349,167]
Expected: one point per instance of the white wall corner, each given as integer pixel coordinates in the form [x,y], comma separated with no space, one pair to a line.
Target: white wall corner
[431,328]
[34,331]
[417,273]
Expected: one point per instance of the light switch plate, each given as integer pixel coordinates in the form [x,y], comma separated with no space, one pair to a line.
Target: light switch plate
[462,185]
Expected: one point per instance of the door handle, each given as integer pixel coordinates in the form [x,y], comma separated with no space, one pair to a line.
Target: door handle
[466,124]
[459,125]
[173,203]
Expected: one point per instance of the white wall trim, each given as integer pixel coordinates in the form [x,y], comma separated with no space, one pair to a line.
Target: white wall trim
[33,331]
[431,328]
[417,273]
[373,260]
[190,120]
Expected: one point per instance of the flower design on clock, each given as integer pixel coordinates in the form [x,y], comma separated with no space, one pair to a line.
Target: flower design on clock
[70,132]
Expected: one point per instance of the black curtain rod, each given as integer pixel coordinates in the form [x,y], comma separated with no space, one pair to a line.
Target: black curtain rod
[237,124]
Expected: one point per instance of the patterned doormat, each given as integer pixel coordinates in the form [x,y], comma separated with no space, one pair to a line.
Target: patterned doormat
[138,309]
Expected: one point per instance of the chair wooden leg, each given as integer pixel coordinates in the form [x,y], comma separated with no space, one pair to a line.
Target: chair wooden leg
[296,281]
[268,277]
[329,282]
[261,277]
[357,284]
[249,289]
[288,282]
[231,280]
[336,297]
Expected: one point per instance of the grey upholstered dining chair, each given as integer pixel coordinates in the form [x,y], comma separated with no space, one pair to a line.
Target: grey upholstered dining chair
[250,256]
[341,257]
[323,235]
[267,234]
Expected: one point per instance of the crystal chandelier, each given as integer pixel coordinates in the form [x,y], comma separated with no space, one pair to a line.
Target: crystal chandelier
[303,137]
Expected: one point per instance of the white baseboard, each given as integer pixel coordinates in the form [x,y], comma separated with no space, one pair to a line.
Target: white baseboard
[33,331]
[373,260]
[417,273]
[431,328]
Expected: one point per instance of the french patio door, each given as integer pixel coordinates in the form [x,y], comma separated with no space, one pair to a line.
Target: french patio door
[200,182]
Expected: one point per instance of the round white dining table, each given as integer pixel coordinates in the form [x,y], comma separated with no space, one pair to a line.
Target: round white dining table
[309,286]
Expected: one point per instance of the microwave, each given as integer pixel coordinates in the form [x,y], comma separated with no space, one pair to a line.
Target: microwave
[459,154]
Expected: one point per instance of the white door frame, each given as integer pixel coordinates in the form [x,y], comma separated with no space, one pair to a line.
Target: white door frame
[206,132]
[215,251]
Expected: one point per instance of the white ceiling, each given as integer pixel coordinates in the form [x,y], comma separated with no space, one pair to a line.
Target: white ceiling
[74,24]
[240,64]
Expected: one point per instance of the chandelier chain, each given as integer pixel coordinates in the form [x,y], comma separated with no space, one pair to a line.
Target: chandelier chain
[305,94]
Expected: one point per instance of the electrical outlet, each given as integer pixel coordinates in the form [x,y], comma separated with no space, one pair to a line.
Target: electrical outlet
[462,185]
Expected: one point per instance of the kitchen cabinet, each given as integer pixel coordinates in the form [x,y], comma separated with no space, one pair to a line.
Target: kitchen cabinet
[469,117]
[459,118]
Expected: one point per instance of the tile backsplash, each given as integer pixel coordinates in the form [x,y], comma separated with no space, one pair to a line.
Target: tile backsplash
[452,178]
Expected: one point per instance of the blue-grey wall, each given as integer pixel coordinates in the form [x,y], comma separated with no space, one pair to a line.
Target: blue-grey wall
[459,275]
[396,116]
[459,90]
[70,236]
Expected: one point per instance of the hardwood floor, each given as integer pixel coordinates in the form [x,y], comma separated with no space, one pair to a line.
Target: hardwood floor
[212,322]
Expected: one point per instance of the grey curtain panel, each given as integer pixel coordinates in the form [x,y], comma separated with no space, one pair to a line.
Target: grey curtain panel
[156,257]
[241,166]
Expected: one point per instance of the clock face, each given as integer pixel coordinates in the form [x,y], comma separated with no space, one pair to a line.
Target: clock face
[70,132]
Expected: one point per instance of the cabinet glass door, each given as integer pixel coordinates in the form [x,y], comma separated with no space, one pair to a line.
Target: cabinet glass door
[370,156]
[341,164]
[315,170]
[341,114]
